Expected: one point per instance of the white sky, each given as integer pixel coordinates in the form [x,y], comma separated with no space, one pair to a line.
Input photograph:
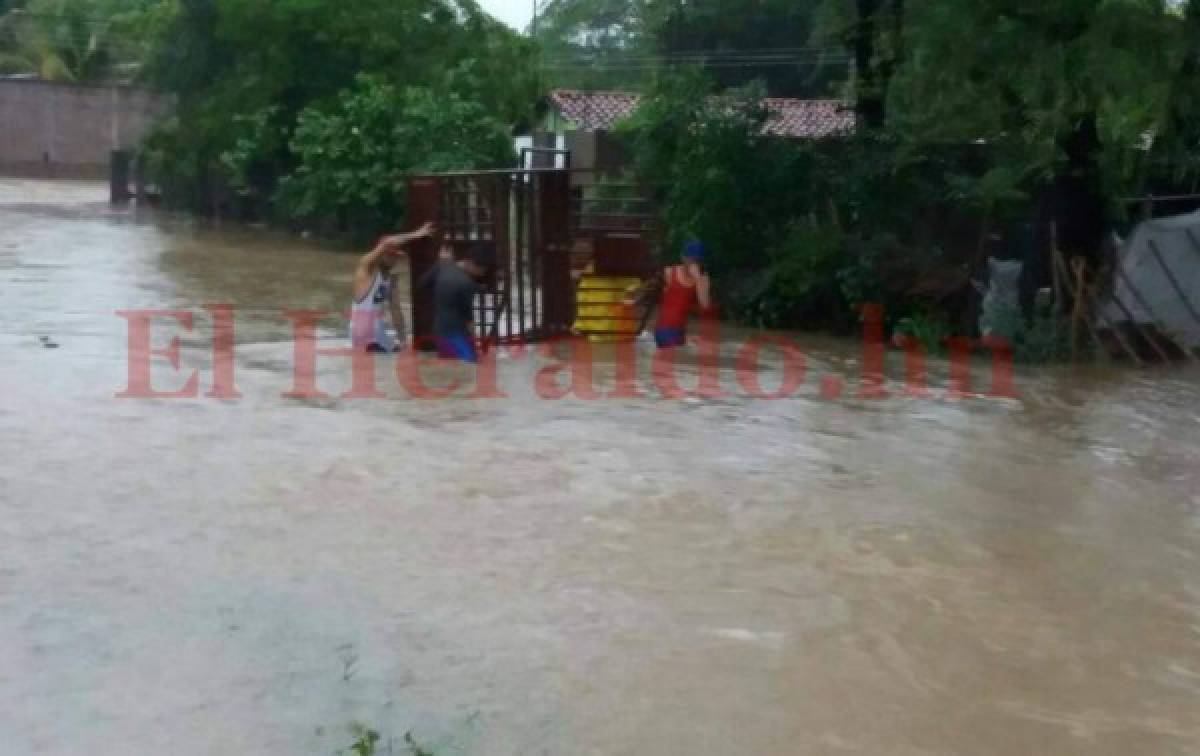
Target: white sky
[515,13]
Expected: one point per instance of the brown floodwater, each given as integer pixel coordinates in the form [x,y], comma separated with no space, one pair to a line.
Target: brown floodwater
[528,576]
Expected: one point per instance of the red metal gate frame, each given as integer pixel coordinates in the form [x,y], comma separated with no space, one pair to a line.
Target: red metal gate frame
[530,217]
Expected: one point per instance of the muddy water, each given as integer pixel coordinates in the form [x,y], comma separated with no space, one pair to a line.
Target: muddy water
[524,576]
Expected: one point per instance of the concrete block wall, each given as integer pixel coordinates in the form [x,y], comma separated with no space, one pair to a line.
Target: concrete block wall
[66,130]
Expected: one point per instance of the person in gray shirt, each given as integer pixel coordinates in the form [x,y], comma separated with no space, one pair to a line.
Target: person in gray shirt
[454,287]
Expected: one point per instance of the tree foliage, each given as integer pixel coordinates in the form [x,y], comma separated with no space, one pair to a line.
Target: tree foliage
[81,41]
[719,177]
[983,110]
[774,42]
[258,83]
[606,44]
[974,114]
[1032,77]
[596,44]
[353,157]
[1177,148]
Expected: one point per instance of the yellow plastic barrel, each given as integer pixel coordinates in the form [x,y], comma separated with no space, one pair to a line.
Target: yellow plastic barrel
[601,313]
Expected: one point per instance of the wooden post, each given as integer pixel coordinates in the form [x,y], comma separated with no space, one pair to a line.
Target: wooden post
[139,180]
[1054,276]
[1077,312]
[118,177]
[1079,294]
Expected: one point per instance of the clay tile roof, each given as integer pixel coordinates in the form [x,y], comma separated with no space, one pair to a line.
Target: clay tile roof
[594,111]
[809,119]
[797,119]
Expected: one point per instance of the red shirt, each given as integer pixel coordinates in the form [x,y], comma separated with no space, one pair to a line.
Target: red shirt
[679,298]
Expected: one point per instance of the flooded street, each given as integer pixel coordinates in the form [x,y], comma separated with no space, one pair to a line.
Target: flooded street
[527,576]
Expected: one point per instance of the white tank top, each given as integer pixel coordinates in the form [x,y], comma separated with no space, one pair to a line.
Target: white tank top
[369,317]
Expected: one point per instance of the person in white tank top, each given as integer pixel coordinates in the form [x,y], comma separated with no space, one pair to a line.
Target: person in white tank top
[372,307]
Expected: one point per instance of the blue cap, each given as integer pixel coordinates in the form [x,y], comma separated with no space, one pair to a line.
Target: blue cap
[694,250]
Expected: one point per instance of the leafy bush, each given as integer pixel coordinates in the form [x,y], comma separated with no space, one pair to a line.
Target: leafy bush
[799,282]
[258,138]
[1045,338]
[352,157]
[927,327]
[719,177]
[261,89]
[802,232]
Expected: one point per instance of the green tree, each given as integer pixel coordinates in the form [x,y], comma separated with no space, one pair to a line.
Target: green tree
[1177,143]
[596,44]
[623,43]
[775,42]
[719,177]
[876,38]
[353,156]
[244,73]
[1061,94]
[70,40]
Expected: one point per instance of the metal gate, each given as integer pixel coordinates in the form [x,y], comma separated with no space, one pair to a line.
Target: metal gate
[534,220]
[525,216]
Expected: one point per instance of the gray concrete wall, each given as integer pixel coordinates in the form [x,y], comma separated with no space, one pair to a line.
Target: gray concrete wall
[68,131]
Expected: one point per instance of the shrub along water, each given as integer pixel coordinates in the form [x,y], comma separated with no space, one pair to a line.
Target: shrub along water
[902,211]
[805,232]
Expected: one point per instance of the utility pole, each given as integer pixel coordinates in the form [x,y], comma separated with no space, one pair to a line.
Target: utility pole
[537,82]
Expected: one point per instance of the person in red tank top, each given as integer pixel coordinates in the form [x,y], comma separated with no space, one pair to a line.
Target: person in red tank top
[686,288]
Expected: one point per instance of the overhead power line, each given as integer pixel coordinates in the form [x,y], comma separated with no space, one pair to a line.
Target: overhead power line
[697,59]
[642,67]
[720,52]
[725,57]
[20,13]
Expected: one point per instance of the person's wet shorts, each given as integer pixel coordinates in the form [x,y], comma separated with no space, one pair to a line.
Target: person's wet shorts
[456,347]
[666,338]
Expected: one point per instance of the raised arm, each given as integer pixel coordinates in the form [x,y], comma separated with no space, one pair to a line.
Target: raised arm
[368,264]
[367,267]
[400,240]
[703,287]
[704,292]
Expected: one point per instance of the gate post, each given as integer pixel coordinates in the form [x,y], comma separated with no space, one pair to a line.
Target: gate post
[118,177]
[424,206]
[555,237]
